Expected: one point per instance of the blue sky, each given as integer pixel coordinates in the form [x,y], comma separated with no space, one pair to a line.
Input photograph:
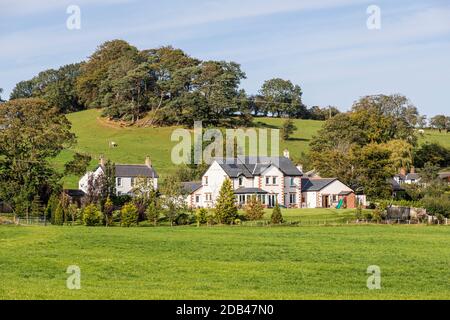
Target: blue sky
[323,45]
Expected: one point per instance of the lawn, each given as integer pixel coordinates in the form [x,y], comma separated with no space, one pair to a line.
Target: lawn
[225,262]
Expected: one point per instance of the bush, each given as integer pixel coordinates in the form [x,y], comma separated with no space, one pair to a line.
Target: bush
[58,219]
[201,216]
[92,216]
[377,215]
[153,213]
[129,215]
[437,206]
[254,209]
[277,217]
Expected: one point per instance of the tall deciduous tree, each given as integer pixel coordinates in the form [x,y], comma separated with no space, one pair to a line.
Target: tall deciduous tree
[32,133]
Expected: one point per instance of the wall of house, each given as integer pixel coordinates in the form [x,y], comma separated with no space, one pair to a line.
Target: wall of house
[216,177]
[83,182]
[295,189]
[277,189]
[310,199]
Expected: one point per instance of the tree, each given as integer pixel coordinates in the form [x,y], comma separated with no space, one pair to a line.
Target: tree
[1,91]
[432,153]
[59,215]
[129,215]
[440,122]
[95,70]
[36,207]
[153,212]
[173,198]
[201,216]
[92,216]
[283,98]
[226,210]
[365,147]
[287,129]
[57,87]
[78,166]
[108,210]
[254,210]
[277,217]
[32,134]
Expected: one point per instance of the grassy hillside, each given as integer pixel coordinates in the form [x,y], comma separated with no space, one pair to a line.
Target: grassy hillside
[225,262]
[94,135]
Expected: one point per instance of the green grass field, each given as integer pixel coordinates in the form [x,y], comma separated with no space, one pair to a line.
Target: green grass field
[134,143]
[225,262]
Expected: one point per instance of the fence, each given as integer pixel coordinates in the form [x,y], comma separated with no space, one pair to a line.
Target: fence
[32,221]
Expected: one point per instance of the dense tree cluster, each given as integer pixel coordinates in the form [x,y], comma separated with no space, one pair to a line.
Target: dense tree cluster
[164,86]
[367,146]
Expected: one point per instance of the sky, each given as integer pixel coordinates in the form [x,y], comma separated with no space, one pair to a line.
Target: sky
[325,46]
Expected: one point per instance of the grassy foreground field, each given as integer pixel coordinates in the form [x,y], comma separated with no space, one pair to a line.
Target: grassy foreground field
[225,262]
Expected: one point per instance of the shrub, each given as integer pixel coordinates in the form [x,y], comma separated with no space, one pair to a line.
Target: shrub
[437,206]
[92,216]
[129,215]
[108,210]
[201,216]
[254,209]
[277,217]
[58,219]
[153,213]
[377,215]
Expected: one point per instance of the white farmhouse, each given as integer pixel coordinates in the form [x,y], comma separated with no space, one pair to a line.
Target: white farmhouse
[272,179]
[127,176]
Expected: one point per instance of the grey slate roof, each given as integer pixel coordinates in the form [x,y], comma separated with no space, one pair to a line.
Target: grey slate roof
[315,184]
[134,171]
[191,187]
[396,186]
[250,191]
[254,166]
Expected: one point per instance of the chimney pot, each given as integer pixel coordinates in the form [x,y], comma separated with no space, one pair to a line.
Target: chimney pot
[148,162]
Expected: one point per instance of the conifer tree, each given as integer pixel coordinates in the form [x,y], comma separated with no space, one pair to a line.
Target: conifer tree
[277,217]
[226,209]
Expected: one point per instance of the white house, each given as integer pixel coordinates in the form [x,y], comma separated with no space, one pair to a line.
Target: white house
[127,176]
[272,179]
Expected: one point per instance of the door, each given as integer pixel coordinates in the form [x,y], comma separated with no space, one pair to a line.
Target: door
[272,200]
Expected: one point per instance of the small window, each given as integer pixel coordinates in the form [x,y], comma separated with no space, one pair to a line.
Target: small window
[197,199]
[119,182]
[292,182]
[274,180]
[241,182]
[206,181]
[267,180]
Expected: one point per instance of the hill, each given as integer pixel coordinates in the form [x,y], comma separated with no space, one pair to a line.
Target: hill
[94,135]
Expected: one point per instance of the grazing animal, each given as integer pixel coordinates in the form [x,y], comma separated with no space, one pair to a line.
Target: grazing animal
[422,132]
[112,144]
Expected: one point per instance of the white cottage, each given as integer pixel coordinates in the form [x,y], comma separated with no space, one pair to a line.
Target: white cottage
[127,176]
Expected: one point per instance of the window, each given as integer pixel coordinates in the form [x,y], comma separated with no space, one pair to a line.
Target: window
[292,198]
[119,182]
[267,180]
[197,199]
[208,197]
[274,180]
[206,181]
[241,182]
[292,182]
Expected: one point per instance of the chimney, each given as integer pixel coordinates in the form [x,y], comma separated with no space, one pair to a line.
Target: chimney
[102,160]
[287,154]
[148,162]
[413,170]
[300,167]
